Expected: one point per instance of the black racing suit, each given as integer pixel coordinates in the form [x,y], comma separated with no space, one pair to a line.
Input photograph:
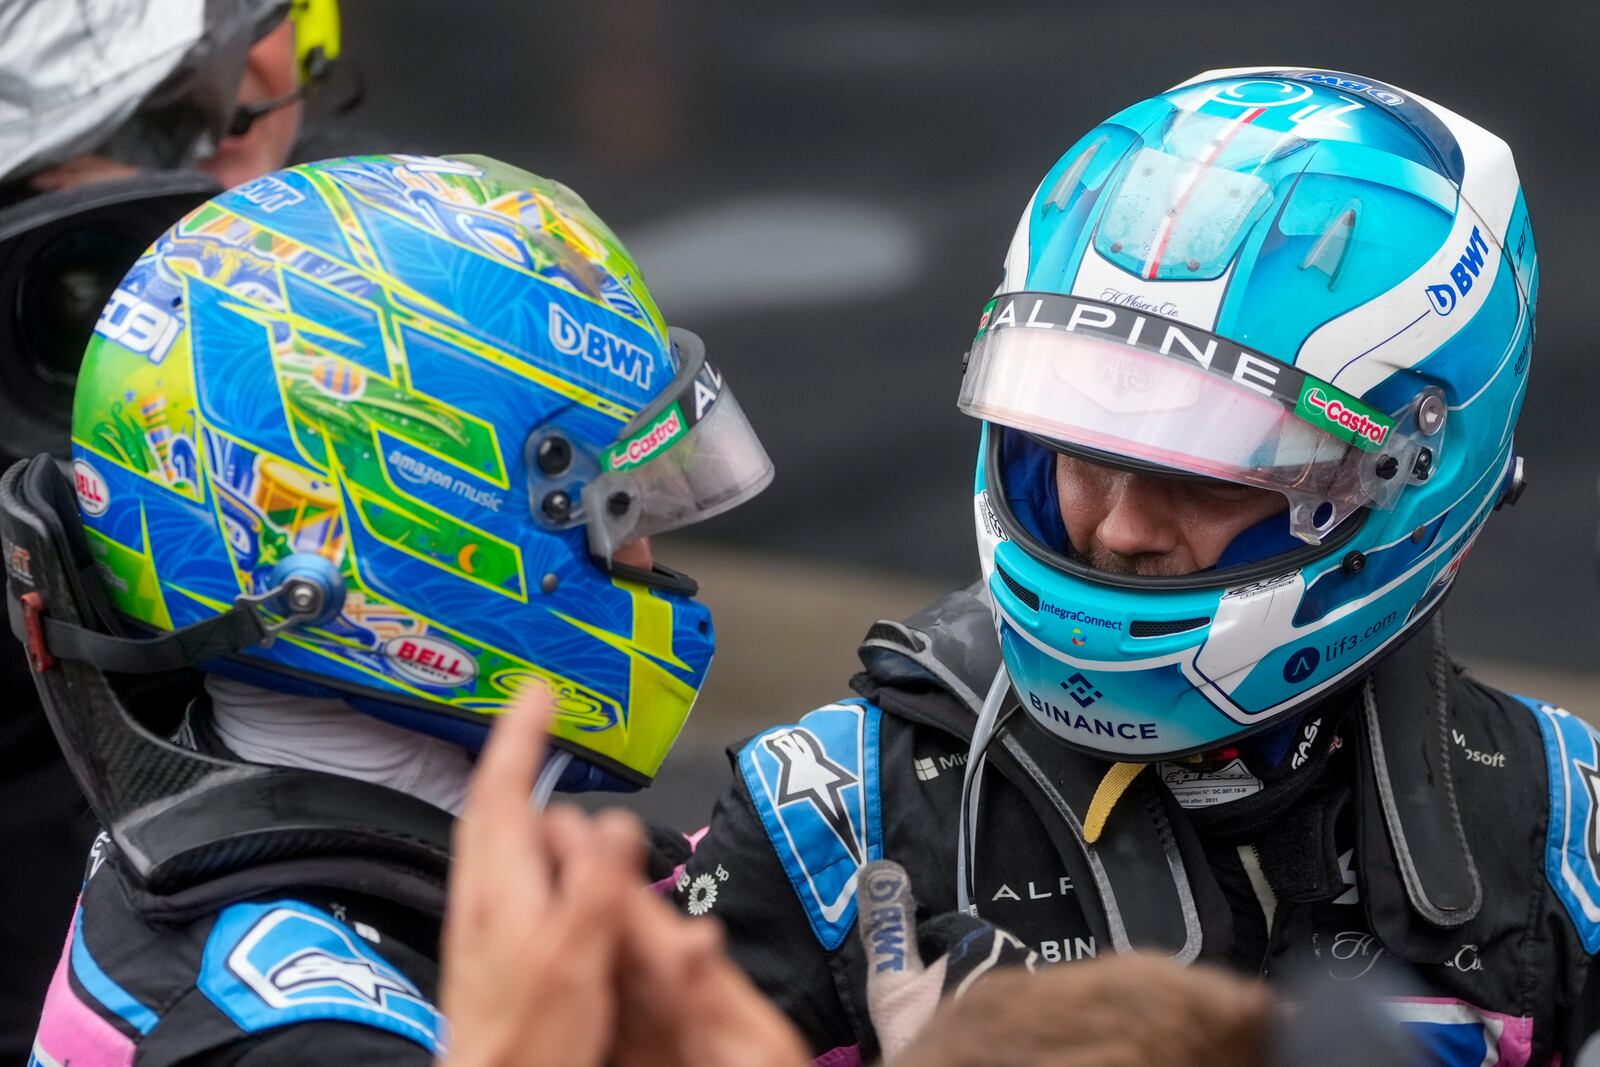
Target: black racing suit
[1454,832]
[303,957]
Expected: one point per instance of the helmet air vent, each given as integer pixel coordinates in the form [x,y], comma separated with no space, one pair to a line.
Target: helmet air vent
[1328,254]
[1018,590]
[1164,627]
[1061,195]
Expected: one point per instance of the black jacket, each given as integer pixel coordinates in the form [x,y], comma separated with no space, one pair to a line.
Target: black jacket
[283,974]
[299,954]
[1419,816]
[299,957]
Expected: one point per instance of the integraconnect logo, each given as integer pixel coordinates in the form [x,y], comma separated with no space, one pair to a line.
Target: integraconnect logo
[1072,615]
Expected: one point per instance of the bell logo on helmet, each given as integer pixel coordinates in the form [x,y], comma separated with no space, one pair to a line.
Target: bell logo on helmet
[94,496]
[430,661]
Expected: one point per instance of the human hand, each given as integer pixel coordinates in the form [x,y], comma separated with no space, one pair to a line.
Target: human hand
[536,911]
[902,990]
[685,1004]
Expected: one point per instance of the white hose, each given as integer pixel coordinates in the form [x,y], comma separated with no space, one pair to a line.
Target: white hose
[972,781]
[546,785]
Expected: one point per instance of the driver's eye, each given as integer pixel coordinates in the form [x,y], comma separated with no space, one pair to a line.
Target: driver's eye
[1224,492]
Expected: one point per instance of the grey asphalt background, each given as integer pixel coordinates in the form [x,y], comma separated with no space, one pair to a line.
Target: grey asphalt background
[824,192]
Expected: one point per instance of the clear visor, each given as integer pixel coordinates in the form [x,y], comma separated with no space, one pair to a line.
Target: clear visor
[1183,400]
[687,457]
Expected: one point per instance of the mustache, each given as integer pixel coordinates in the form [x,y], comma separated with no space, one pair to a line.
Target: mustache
[1144,564]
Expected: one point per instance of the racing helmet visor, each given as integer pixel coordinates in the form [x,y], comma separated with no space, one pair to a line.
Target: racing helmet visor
[688,456]
[1118,381]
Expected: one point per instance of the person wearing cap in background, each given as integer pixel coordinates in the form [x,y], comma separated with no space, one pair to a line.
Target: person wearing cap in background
[114,120]
[1248,389]
[217,86]
[75,114]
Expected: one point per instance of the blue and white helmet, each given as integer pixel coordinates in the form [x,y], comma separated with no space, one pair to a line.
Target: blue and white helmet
[1292,279]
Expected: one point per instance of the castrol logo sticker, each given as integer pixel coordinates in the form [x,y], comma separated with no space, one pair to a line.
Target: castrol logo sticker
[636,451]
[1366,429]
[94,496]
[430,661]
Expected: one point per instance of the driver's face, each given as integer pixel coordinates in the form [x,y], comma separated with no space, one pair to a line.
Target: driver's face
[1128,523]
[636,554]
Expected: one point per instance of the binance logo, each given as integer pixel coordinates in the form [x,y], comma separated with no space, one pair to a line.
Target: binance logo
[1082,690]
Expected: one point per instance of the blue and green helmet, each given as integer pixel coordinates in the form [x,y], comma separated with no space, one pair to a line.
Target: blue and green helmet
[1293,279]
[443,383]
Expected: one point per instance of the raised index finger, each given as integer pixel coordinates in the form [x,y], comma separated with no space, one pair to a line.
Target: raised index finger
[496,816]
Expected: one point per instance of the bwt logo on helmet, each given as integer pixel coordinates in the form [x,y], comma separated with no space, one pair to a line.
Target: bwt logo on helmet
[1443,297]
[1335,412]
[600,347]
[1070,615]
[1381,94]
[430,661]
[138,325]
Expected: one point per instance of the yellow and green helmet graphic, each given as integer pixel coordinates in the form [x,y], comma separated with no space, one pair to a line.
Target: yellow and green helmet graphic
[354,360]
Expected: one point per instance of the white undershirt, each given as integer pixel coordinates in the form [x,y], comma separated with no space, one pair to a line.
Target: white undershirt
[324,734]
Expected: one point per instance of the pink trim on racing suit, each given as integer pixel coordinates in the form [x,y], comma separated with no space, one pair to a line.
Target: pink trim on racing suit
[70,1031]
[1510,1035]
[665,885]
[843,1056]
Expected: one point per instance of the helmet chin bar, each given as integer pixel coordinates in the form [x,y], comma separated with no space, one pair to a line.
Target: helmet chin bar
[178,817]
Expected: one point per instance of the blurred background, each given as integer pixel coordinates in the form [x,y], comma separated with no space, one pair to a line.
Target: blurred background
[824,192]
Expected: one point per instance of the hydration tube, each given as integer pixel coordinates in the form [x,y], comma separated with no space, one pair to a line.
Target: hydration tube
[971,781]
[546,783]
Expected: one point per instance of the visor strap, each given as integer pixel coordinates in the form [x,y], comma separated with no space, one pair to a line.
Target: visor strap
[223,635]
[1110,790]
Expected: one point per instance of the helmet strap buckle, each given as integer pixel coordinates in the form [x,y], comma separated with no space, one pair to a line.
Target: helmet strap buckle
[303,588]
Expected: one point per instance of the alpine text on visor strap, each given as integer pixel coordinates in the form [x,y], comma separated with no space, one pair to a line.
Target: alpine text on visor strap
[687,456]
[1116,380]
